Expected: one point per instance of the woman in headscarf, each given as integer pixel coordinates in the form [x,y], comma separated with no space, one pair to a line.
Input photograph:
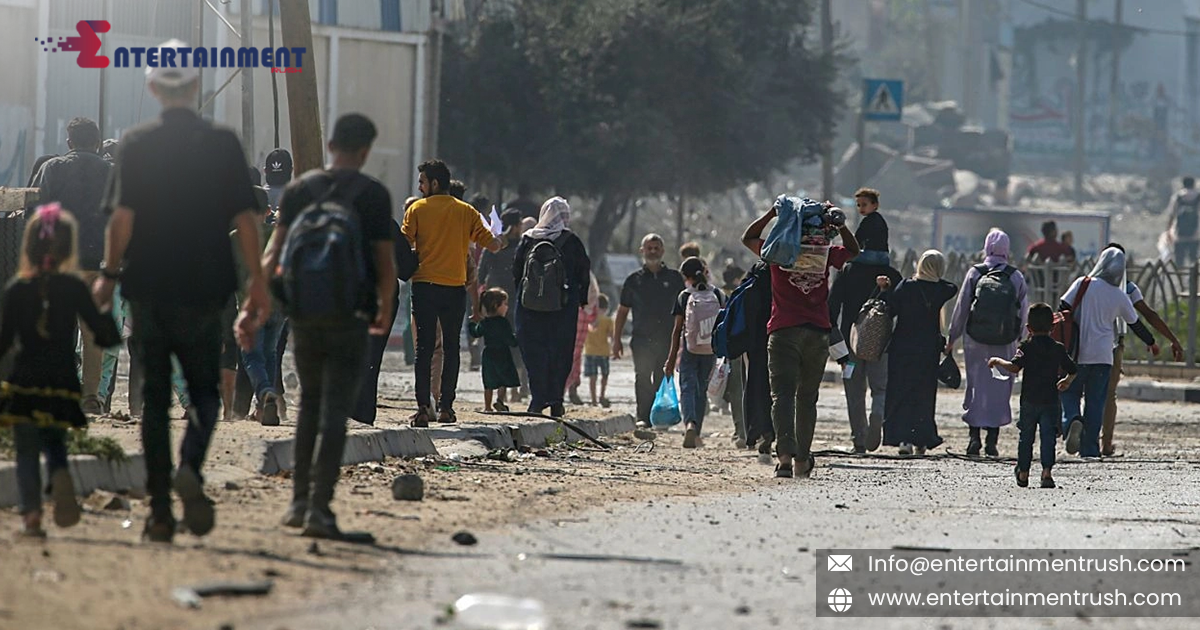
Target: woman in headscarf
[989,318]
[1103,302]
[914,353]
[547,335]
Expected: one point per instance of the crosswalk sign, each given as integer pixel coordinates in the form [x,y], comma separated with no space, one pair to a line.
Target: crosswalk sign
[883,99]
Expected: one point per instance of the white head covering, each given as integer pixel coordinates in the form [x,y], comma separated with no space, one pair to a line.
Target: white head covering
[555,215]
[172,77]
[931,266]
[1110,267]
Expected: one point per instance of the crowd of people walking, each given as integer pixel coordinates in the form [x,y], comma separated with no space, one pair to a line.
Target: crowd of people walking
[217,275]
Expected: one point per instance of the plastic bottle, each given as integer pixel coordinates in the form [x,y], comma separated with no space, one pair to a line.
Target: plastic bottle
[499,612]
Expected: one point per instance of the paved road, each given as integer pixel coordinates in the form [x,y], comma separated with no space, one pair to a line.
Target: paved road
[748,559]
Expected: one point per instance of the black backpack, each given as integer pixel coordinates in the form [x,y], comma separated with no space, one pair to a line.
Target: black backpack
[1188,218]
[324,270]
[544,287]
[995,317]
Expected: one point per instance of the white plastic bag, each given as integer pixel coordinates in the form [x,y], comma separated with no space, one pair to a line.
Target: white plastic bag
[718,380]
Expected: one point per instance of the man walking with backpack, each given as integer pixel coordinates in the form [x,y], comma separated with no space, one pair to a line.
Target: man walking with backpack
[1184,213]
[441,230]
[333,248]
[990,318]
[168,243]
[76,180]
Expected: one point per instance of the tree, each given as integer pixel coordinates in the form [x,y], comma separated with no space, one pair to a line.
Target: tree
[621,98]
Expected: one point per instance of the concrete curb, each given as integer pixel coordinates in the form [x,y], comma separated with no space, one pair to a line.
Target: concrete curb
[1137,389]
[269,457]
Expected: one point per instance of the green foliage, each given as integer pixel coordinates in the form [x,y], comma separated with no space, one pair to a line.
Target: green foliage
[627,97]
[79,442]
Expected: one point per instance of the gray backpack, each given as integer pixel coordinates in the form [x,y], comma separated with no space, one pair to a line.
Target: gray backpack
[544,287]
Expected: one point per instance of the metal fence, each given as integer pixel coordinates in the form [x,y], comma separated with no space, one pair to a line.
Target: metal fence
[1167,288]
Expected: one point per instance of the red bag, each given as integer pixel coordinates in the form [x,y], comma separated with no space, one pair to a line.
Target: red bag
[1064,330]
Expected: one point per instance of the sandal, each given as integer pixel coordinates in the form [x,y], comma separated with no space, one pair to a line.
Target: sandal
[783,471]
[1048,482]
[420,419]
[1022,477]
[501,407]
[810,464]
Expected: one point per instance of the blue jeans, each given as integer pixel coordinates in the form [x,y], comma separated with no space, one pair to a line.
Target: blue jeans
[1034,419]
[1090,390]
[260,359]
[694,371]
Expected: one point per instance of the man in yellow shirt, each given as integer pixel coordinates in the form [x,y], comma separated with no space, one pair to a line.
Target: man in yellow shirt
[441,229]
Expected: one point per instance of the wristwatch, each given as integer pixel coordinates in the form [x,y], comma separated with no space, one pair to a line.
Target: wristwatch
[111,274]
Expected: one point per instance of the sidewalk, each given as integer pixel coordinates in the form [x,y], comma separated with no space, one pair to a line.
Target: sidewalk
[244,449]
[1139,388]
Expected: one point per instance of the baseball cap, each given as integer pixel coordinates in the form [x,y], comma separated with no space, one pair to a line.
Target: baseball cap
[172,77]
[278,167]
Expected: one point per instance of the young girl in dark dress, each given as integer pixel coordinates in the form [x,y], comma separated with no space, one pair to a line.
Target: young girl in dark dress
[499,371]
[913,355]
[41,398]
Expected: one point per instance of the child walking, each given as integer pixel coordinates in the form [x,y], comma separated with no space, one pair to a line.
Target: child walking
[41,398]
[499,371]
[596,350]
[695,313]
[1043,360]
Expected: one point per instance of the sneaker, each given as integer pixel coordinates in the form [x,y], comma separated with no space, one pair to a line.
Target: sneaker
[159,530]
[31,526]
[739,442]
[420,419]
[268,416]
[198,514]
[447,417]
[642,424]
[321,524]
[874,432]
[92,406]
[690,437]
[906,449]
[991,451]
[62,492]
[1074,432]
[783,471]
[295,515]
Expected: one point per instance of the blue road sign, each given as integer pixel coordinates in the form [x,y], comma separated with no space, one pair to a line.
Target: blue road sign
[883,99]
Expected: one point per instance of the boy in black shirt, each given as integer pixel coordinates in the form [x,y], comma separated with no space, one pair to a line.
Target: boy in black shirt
[1043,360]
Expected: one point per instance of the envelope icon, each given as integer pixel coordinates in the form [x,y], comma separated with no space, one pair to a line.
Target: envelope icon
[839,562]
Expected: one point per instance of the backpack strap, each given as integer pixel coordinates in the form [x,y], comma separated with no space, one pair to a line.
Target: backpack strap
[1083,287]
[322,185]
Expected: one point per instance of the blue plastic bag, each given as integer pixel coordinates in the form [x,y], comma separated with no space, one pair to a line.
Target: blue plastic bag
[665,412]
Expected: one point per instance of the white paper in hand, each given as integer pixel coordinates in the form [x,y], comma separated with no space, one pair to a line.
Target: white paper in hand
[494,219]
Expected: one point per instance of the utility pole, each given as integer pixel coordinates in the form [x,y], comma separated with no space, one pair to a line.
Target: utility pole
[248,85]
[827,184]
[969,45]
[1080,95]
[303,112]
[437,22]
[1114,79]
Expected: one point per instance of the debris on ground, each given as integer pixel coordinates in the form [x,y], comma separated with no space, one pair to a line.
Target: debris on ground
[190,596]
[466,539]
[408,488]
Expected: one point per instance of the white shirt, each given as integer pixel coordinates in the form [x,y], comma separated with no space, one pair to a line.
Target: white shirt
[1102,306]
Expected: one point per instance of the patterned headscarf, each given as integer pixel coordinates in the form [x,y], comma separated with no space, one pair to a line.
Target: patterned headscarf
[555,215]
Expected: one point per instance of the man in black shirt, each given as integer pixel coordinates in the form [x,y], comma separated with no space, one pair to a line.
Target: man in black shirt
[176,187]
[76,180]
[650,294]
[330,355]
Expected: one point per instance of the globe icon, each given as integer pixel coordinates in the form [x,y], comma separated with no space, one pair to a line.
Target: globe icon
[839,600]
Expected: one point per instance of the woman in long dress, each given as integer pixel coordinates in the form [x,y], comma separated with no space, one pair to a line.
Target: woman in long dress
[913,355]
[986,401]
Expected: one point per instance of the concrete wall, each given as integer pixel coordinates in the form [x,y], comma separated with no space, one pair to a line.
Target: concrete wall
[18,92]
